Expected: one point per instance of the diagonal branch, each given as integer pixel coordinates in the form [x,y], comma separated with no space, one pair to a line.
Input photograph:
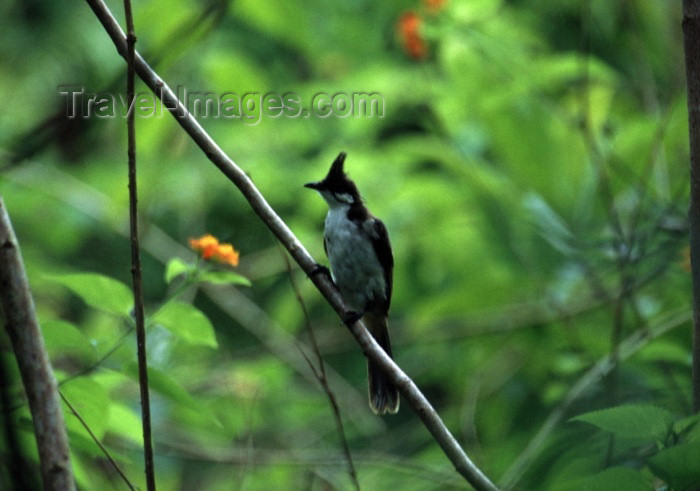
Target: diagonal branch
[216,155]
[28,345]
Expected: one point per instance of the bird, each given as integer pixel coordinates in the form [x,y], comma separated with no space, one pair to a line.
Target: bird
[361,266]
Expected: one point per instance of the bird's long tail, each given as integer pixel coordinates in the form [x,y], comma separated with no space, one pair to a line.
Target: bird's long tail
[383,394]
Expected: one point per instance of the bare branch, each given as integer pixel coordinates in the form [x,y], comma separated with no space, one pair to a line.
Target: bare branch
[28,345]
[216,155]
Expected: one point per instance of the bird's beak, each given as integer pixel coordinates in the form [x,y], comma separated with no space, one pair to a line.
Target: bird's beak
[313,185]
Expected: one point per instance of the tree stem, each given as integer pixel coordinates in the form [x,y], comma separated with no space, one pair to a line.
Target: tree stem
[691,37]
[33,361]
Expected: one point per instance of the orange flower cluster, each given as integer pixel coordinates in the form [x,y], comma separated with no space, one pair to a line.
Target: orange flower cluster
[210,248]
[409,29]
[411,38]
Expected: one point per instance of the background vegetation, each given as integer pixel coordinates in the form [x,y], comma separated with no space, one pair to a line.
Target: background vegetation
[531,168]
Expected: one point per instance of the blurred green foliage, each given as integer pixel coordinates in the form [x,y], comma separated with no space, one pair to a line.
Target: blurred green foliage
[531,169]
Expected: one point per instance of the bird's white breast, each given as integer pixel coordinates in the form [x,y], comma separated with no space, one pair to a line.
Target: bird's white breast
[354,264]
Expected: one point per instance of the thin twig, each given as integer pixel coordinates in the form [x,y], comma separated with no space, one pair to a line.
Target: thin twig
[413,396]
[33,361]
[96,364]
[87,369]
[97,441]
[691,38]
[135,254]
[320,374]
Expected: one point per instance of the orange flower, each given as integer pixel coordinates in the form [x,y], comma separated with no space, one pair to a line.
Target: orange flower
[210,248]
[409,32]
[206,244]
[226,254]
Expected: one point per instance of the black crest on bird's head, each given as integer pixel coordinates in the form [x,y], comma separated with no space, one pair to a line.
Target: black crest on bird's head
[337,183]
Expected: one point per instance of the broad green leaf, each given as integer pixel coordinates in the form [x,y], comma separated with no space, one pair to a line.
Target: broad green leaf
[639,421]
[98,291]
[125,423]
[177,267]
[168,386]
[687,426]
[165,385]
[617,478]
[666,351]
[91,401]
[186,321]
[224,278]
[63,338]
[678,466]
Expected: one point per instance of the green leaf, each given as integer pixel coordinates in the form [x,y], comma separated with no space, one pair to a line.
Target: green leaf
[687,426]
[187,322]
[165,385]
[617,478]
[91,401]
[79,473]
[64,338]
[678,466]
[639,421]
[177,267]
[98,291]
[125,423]
[223,278]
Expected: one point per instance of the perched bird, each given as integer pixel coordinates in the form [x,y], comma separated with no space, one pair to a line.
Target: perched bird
[358,249]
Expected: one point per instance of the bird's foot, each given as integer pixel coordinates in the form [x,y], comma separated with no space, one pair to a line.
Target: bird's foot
[320,269]
[350,317]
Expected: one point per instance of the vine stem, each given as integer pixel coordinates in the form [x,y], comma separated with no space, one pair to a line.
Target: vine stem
[136,255]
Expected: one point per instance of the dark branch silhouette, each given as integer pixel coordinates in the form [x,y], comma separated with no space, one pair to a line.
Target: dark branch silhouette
[691,37]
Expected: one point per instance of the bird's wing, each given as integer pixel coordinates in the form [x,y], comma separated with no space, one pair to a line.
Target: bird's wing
[382,248]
